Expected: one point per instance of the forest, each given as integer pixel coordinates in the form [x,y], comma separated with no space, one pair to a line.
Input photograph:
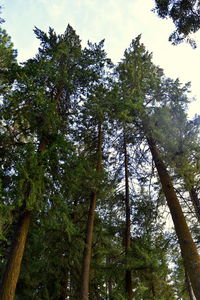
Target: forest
[99,175]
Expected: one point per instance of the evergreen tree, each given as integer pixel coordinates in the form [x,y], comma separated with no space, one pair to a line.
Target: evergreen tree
[41,98]
[79,145]
[134,70]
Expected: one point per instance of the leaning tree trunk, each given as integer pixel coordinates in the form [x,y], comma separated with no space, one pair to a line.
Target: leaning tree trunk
[90,228]
[12,271]
[128,280]
[13,266]
[189,251]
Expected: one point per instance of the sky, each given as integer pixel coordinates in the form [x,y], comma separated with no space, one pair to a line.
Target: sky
[116,21]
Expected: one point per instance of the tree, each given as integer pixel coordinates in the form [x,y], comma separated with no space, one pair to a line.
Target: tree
[188,248]
[142,89]
[42,101]
[185,14]
[79,148]
[128,279]
[94,115]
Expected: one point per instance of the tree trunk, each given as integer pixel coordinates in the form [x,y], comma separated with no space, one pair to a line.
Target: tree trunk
[195,201]
[189,180]
[108,289]
[13,266]
[189,287]
[90,228]
[189,251]
[12,271]
[88,249]
[128,280]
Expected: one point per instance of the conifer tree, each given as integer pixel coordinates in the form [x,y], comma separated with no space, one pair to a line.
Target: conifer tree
[94,114]
[42,101]
[141,89]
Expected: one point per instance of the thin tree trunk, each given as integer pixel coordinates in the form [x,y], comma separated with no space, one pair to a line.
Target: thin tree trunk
[108,289]
[189,287]
[189,251]
[108,262]
[13,266]
[90,228]
[128,280]
[88,249]
[195,201]
[189,181]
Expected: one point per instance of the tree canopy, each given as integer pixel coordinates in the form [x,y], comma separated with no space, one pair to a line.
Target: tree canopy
[95,157]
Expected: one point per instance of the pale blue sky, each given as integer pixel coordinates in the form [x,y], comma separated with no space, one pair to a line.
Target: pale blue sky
[116,21]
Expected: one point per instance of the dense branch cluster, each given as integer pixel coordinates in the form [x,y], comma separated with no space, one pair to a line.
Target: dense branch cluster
[185,15]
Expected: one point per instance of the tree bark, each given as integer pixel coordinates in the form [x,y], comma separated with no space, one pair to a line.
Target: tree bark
[13,266]
[90,228]
[128,280]
[12,271]
[189,251]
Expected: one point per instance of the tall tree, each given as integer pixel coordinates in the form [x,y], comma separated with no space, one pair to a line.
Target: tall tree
[42,101]
[142,90]
[77,139]
[188,248]
[90,224]
[128,280]
[94,114]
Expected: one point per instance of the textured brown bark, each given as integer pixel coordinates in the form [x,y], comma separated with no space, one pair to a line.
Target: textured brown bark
[13,266]
[128,280]
[189,251]
[11,274]
[85,275]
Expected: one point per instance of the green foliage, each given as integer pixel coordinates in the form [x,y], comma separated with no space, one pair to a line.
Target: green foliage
[7,53]
[49,126]
[8,64]
[185,16]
